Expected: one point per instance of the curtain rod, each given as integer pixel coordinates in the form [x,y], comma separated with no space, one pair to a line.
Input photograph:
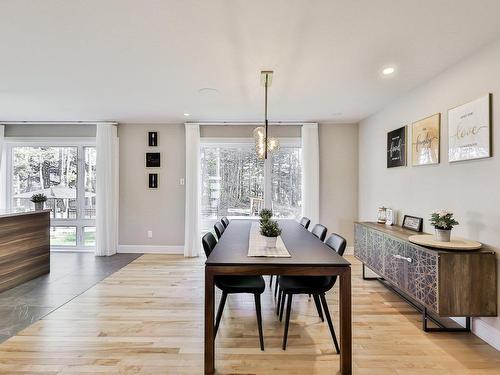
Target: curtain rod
[57,122]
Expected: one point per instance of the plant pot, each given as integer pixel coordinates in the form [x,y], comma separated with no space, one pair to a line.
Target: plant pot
[271,242]
[39,206]
[443,235]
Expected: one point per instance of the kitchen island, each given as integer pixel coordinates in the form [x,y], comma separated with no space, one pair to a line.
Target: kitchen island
[24,247]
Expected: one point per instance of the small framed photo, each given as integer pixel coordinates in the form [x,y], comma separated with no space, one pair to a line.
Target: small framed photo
[413,223]
[152,139]
[153,180]
[152,160]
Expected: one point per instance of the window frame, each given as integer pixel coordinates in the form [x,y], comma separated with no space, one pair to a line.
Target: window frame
[284,142]
[79,143]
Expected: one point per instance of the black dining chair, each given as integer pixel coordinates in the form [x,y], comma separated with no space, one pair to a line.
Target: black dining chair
[224,221]
[236,284]
[305,222]
[219,229]
[317,286]
[319,231]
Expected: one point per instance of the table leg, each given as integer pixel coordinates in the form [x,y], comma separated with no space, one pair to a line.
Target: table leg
[209,322]
[345,323]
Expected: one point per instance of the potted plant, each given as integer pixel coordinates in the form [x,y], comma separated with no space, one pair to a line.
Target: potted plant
[270,230]
[265,215]
[443,223]
[38,200]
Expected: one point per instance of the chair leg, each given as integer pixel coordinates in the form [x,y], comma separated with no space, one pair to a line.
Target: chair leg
[258,310]
[287,320]
[318,307]
[219,312]
[329,320]
[276,287]
[282,307]
[280,295]
[270,281]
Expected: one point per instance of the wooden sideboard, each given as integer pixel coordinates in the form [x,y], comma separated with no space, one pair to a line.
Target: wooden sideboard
[24,247]
[447,283]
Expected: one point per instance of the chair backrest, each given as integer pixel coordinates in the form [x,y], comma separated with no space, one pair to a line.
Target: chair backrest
[305,222]
[224,221]
[337,243]
[219,229]
[209,242]
[319,231]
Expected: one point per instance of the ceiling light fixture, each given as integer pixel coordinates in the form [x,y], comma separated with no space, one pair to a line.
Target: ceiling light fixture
[387,71]
[187,114]
[263,144]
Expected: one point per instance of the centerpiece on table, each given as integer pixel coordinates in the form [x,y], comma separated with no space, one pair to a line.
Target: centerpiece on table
[269,228]
[39,200]
[443,223]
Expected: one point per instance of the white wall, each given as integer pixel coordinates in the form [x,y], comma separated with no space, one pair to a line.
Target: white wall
[470,189]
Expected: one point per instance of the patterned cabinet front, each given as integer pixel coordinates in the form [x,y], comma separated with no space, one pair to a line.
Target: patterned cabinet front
[395,261]
[423,276]
[360,242]
[375,251]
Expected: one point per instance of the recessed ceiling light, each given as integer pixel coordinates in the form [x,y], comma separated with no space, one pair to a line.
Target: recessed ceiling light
[187,114]
[388,70]
[208,90]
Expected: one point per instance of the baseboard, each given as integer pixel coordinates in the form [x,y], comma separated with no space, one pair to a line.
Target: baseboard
[487,333]
[349,250]
[150,249]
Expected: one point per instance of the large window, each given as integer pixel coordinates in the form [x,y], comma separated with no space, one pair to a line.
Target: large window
[234,182]
[66,175]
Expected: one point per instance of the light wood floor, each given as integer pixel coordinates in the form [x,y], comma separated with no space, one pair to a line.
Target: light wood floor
[148,319]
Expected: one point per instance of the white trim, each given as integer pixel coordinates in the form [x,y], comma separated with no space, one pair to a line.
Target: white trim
[69,249]
[57,122]
[487,333]
[151,249]
[253,123]
[52,141]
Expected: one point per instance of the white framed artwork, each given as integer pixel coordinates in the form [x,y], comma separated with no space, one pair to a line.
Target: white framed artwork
[469,130]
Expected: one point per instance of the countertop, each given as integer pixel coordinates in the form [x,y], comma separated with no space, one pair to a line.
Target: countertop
[7,213]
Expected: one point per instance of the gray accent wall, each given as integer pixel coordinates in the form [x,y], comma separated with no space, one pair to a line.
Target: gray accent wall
[56,130]
[470,189]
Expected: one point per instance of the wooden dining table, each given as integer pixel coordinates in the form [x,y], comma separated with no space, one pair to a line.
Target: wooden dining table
[309,256]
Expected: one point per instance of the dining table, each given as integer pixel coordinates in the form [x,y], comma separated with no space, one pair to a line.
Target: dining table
[309,256]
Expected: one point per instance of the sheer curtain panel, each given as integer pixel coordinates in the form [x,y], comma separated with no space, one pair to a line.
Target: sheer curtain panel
[106,190]
[310,172]
[192,234]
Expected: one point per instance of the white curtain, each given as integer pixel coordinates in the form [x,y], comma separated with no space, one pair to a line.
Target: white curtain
[310,172]
[3,173]
[192,240]
[106,190]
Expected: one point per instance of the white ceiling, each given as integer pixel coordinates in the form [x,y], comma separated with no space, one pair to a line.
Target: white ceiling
[144,61]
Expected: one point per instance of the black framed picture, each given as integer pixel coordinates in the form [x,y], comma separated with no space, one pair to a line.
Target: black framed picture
[152,159]
[153,180]
[396,148]
[152,139]
[413,223]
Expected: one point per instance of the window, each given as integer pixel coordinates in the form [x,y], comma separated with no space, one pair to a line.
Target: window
[234,182]
[66,174]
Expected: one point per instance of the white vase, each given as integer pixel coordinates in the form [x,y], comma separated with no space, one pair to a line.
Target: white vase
[38,206]
[271,242]
[443,235]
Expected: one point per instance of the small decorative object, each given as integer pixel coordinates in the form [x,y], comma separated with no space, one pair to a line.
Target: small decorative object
[152,159]
[153,180]
[396,148]
[390,215]
[469,130]
[382,215]
[270,230]
[152,139]
[39,200]
[413,223]
[425,140]
[443,223]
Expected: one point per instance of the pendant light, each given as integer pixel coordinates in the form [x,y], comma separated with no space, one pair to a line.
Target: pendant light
[264,144]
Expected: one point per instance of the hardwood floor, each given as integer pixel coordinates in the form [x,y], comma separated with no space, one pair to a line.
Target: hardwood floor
[147,319]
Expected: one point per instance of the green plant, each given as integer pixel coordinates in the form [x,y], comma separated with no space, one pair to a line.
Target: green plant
[270,228]
[443,220]
[265,214]
[38,198]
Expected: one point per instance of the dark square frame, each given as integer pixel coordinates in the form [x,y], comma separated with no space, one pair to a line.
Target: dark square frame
[418,228]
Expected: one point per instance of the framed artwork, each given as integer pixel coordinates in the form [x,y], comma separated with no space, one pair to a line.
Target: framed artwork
[152,139]
[153,180]
[152,159]
[413,223]
[425,139]
[469,130]
[396,148]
